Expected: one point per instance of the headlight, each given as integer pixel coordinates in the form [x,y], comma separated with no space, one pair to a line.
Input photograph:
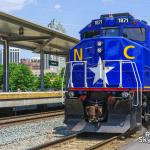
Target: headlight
[99,43]
[71,94]
[99,50]
[125,94]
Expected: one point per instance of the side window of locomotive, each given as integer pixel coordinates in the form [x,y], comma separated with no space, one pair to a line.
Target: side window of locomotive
[111,32]
[135,34]
[91,34]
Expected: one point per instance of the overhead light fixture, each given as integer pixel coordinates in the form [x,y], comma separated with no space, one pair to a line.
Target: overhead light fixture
[21,30]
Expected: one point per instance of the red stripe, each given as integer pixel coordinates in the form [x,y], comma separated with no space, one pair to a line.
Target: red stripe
[107,89]
[98,89]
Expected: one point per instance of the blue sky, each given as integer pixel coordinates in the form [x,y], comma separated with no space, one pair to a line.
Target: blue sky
[73,14]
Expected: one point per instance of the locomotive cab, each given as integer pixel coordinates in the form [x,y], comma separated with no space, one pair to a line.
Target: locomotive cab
[109,76]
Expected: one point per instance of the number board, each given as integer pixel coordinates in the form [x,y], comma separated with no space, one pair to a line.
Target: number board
[123,20]
[98,22]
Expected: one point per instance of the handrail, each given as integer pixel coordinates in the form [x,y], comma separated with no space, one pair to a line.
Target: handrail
[121,62]
[137,77]
[137,86]
[139,80]
[70,78]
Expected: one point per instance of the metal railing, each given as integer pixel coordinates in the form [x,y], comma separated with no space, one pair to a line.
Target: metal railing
[121,62]
[70,83]
[136,75]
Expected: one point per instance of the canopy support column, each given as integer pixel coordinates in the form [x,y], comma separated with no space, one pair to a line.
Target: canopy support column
[42,69]
[6,66]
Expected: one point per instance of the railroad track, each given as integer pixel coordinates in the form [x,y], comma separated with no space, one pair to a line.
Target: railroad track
[82,141]
[29,117]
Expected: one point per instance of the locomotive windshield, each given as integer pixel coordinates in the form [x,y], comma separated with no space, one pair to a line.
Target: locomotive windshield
[136,34]
[111,32]
[131,33]
[90,34]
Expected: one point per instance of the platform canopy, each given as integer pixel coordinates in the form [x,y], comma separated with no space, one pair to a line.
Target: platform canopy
[31,36]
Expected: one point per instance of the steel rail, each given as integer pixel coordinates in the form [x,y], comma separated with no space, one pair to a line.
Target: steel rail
[35,116]
[56,142]
[59,142]
[100,144]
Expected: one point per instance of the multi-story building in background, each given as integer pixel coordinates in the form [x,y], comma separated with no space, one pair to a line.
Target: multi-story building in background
[14,55]
[34,64]
[1,57]
[62,63]
[47,66]
[56,25]
[50,68]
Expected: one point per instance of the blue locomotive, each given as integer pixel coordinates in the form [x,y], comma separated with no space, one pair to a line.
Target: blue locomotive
[108,76]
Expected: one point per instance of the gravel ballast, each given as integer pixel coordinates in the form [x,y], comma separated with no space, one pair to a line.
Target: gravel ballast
[26,135]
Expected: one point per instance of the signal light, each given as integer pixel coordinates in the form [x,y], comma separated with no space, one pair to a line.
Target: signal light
[71,94]
[99,43]
[99,50]
[125,94]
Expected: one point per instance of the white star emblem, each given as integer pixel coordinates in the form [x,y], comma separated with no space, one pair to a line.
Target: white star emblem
[98,71]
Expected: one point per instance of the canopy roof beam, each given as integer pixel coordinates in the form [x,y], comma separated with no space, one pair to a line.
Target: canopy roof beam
[24,38]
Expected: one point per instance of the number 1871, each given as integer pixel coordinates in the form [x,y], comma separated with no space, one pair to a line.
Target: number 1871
[123,20]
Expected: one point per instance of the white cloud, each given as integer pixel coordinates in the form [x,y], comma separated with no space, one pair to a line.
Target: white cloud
[11,5]
[57,6]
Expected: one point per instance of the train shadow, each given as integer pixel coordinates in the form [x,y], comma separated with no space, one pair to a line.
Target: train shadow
[63,131]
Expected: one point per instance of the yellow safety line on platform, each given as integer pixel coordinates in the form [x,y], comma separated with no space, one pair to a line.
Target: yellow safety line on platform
[29,95]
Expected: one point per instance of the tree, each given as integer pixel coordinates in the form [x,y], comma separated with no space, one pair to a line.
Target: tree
[36,83]
[22,78]
[62,72]
[53,81]
[57,83]
[48,80]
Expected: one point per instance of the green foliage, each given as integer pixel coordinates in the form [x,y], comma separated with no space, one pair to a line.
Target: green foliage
[57,83]
[62,72]
[22,78]
[48,80]
[61,75]
[53,81]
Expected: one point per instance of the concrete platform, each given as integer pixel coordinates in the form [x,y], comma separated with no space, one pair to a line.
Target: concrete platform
[28,102]
[29,98]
